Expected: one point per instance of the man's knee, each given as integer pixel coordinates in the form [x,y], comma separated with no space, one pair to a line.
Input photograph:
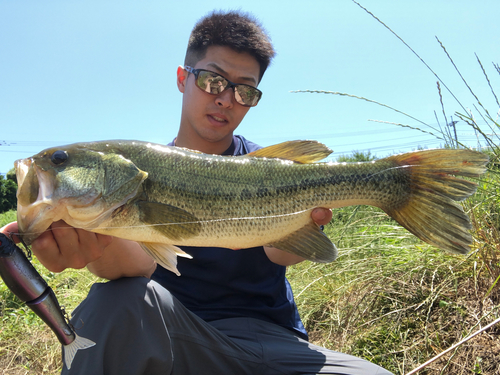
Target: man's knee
[125,296]
[119,318]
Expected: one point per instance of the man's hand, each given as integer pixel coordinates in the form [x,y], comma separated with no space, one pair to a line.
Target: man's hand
[63,246]
[320,216]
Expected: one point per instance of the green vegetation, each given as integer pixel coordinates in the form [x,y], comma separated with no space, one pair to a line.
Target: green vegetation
[7,217]
[398,302]
[8,187]
[356,156]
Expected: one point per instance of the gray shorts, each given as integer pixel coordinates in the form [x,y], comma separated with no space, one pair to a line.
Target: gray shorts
[140,328]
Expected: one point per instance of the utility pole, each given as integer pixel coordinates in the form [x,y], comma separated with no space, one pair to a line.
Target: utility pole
[452,124]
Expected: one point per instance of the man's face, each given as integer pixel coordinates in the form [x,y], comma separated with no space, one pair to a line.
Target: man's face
[211,119]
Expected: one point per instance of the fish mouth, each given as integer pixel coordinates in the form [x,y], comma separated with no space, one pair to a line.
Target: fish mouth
[35,209]
[46,195]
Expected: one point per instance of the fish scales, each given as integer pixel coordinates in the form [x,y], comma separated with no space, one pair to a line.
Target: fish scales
[216,188]
[164,197]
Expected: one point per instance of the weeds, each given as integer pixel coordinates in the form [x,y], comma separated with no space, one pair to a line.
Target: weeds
[398,302]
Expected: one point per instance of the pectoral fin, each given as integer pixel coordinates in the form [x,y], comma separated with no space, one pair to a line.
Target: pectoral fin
[172,222]
[310,243]
[297,151]
[164,254]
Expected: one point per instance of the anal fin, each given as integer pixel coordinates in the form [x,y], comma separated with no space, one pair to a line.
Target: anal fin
[310,243]
[164,254]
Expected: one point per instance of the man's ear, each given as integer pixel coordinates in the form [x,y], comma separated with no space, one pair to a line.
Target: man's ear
[182,75]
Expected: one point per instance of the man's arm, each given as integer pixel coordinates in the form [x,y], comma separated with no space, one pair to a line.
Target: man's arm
[123,258]
[320,216]
[108,257]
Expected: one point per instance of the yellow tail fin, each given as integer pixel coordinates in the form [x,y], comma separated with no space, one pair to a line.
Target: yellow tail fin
[431,213]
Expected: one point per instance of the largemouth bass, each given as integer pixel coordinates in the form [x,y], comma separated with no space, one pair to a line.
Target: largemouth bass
[164,197]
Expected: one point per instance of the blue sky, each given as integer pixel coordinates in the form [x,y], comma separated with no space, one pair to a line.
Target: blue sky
[74,71]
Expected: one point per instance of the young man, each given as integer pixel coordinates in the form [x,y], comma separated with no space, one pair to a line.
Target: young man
[231,312]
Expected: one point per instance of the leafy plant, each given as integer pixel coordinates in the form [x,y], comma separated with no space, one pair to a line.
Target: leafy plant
[8,189]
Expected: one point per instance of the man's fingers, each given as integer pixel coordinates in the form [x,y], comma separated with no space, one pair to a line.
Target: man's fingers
[321,216]
[47,251]
[64,247]
[9,229]
[66,238]
[92,245]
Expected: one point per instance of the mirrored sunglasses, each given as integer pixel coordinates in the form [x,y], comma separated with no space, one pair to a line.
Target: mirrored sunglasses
[214,84]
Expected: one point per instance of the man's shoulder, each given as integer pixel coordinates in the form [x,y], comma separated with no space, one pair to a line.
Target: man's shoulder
[245,146]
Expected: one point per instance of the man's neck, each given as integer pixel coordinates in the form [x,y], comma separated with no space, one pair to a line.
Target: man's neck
[216,148]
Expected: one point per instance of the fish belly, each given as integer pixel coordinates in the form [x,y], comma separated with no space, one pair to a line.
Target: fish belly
[236,231]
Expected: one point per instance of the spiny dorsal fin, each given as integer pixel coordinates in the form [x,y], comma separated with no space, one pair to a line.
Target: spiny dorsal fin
[298,151]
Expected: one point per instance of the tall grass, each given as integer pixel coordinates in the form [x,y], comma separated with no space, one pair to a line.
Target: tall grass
[398,302]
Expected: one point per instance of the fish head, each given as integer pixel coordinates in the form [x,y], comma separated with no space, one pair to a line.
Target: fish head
[79,184]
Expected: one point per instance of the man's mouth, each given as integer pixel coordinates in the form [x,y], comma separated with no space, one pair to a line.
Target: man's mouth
[217,119]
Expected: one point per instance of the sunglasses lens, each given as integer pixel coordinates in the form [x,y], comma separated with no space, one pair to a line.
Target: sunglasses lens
[211,82]
[247,95]
[214,84]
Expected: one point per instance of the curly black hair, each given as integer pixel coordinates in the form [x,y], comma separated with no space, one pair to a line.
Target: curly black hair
[237,30]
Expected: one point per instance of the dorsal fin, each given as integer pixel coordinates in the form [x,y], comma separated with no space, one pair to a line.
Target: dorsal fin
[298,151]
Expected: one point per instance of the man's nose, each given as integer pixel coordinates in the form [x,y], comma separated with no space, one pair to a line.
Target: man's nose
[225,98]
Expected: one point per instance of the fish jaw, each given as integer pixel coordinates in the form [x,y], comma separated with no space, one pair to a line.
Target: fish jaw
[38,205]
[35,209]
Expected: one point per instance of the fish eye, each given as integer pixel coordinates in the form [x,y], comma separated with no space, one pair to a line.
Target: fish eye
[59,157]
